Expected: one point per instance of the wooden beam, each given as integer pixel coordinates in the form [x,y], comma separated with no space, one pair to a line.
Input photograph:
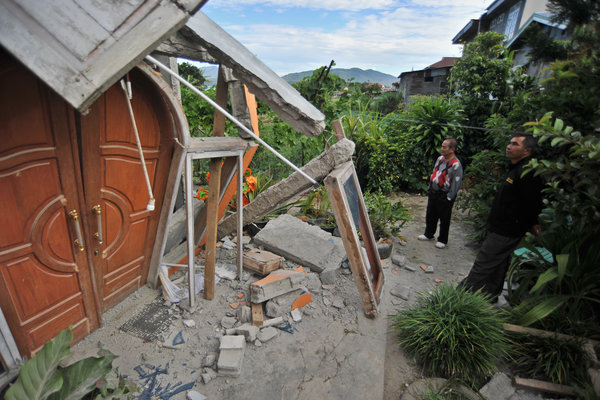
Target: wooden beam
[210,259]
[547,387]
[221,99]
[338,129]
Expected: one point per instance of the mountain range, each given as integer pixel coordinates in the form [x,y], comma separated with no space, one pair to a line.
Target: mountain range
[359,75]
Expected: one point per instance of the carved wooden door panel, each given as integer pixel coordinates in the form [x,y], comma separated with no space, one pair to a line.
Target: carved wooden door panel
[114,181]
[45,282]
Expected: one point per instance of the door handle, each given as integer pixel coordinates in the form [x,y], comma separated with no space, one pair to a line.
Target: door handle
[79,241]
[97,209]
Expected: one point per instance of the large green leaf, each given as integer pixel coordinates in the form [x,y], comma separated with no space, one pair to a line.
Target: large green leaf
[80,378]
[39,377]
[562,260]
[541,310]
[545,277]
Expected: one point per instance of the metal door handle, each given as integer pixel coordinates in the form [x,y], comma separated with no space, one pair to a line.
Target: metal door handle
[79,241]
[97,209]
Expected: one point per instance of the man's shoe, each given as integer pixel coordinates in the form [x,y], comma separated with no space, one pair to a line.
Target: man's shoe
[440,245]
[423,237]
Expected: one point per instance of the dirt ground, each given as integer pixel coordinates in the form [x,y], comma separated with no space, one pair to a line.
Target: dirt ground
[322,357]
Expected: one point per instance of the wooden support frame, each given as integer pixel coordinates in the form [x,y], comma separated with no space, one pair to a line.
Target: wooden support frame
[351,216]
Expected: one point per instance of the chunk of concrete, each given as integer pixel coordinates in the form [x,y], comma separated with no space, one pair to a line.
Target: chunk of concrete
[194,395]
[302,243]
[399,260]
[500,387]
[328,276]
[249,331]
[244,314]
[400,291]
[231,355]
[281,305]
[267,334]
[275,284]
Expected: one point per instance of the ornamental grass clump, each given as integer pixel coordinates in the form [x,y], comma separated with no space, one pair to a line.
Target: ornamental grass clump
[453,333]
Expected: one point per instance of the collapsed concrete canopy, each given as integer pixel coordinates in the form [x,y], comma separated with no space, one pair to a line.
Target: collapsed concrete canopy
[81,48]
[203,40]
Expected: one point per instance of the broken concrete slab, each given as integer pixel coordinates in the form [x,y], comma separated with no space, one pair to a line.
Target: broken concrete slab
[249,331]
[231,355]
[275,284]
[291,187]
[328,276]
[500,387]
[283,304]
[267,334]
[302,243]
[201,35]
[399,260]
[400,291]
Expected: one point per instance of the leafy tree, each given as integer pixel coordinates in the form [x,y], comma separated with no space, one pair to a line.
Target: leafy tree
[192,74]
[320,86]
[481,78]
[434,119]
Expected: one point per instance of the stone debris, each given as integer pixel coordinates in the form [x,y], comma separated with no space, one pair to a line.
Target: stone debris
[244,314]
[401,291]
[498,388]
[328,276]
[267,334]
[410,268]
[296,315]
[399,260]
[228,322]
[231,355]
[275,284]
[190,323]
[281,305]
[289,237]
[194,395]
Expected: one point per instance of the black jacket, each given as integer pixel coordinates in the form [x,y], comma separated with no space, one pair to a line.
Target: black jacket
[518,202]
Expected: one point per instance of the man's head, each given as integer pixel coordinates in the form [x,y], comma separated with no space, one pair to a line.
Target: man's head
[448,147]
[520,147]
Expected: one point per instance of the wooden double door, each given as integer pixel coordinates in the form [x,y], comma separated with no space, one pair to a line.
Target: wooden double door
[75,235]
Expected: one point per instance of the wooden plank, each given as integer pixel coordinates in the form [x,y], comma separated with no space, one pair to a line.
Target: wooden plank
[257,314]
[211,228]
[216,144]
[338,129]
[262,261]
[547,387]
[221,99]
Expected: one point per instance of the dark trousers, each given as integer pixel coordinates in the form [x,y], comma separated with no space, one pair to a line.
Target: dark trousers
[491,264]
[438,209]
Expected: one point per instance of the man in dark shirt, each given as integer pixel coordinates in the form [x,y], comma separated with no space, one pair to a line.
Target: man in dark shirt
[514,212]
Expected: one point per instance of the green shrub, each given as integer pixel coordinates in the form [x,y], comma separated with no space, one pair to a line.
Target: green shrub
[434,119]
[453,333]
[386,218]
[549,358]
[41,377]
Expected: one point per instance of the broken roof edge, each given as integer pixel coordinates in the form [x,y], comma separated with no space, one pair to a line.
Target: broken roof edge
[202,34]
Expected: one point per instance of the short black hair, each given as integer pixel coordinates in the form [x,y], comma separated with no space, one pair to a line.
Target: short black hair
[451,143]
[529,142]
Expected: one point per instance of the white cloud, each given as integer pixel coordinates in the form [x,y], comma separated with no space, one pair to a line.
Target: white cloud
[351,5]
[409,35]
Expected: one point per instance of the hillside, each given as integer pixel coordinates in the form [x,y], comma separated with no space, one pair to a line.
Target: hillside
[359,75]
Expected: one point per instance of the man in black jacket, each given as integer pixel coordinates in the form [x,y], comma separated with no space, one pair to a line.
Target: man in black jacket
[514,212]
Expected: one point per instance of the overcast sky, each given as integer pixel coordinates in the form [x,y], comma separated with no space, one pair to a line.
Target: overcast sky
[390,36]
